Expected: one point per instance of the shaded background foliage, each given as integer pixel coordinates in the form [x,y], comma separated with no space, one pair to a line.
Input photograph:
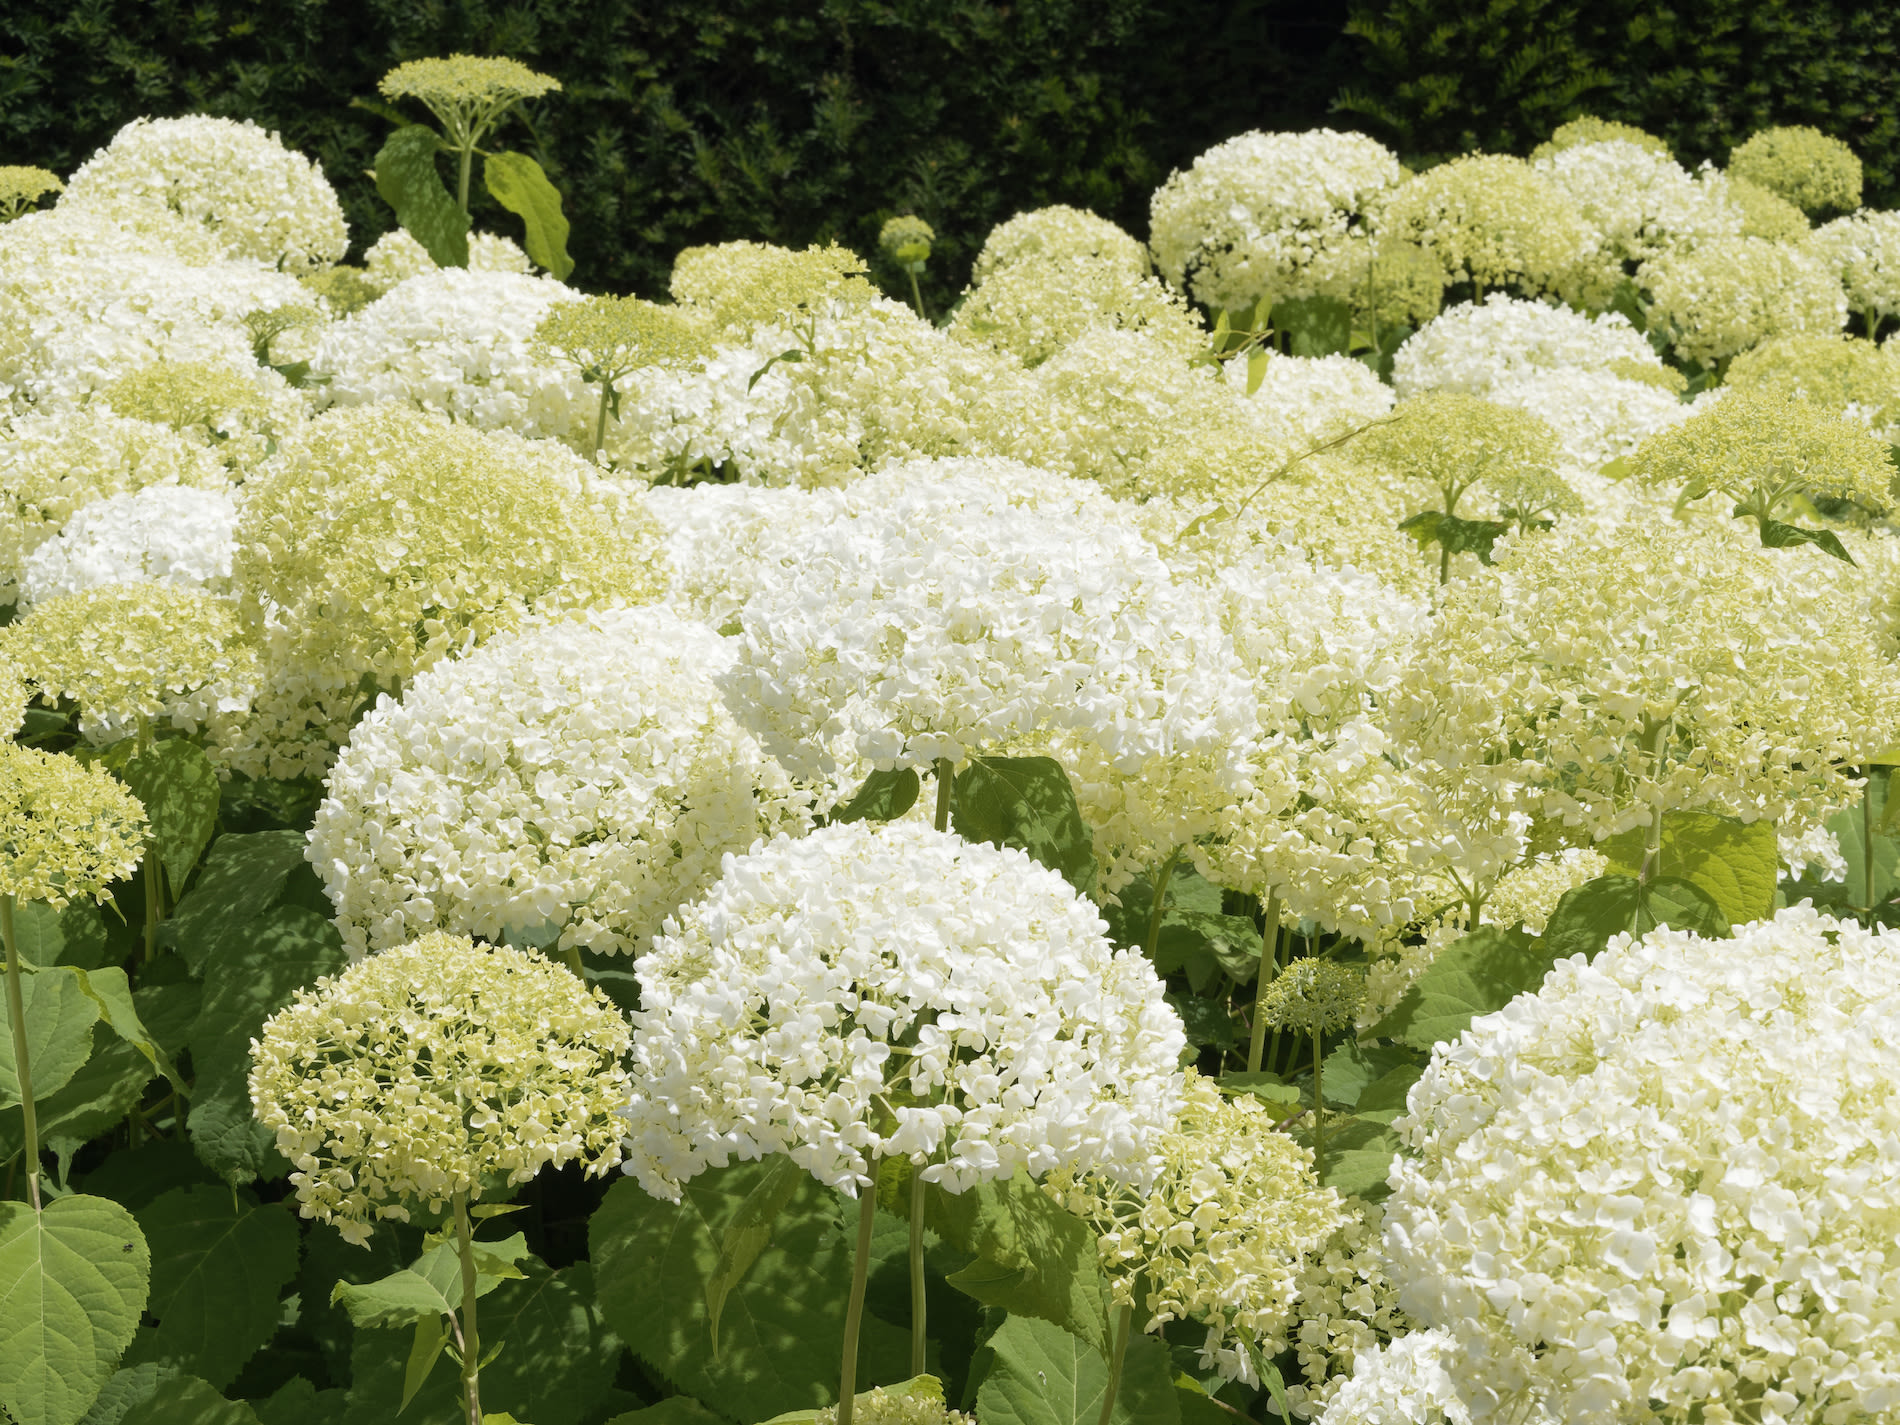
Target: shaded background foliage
[693,121]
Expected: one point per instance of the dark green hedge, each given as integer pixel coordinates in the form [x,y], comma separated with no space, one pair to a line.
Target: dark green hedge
[692,121]
[1438,77]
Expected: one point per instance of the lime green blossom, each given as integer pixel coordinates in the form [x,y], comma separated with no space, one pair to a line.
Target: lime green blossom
[1842,374]
[13,701]
[1037,306]
[1725,295]
[21,187]
[609,338]
[877,1406]
[1491,220]
[1590,129]
[1398,283]
[342,289]
[134,654]
[1455,442]
[1807,167]
[434,1070]
[1765,213]
[1059,231]
[466,93]
[1222,1235]
[1313,996]
[66,829]
[1863,250]
[745,284]
[209,403]
[906,241]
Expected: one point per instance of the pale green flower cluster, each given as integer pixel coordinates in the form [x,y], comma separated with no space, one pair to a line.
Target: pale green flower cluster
[1589,130]
[1843,374]
[66,830]
[906,240]
[22,186]
[137,655]
[747,284]
[396,257]
[381,540]
[431,1071]
[1455,443]
[1223,1234]
[877,1406]
[1035,307]
[1313,996]
[1491,220]
[1058,232]
[1863,250]
[1810,169]
[1726,295]
[1395,283]
[467,93]
[1765,213]
[242,415]
[1347,1304]
[14,696]
[607,337]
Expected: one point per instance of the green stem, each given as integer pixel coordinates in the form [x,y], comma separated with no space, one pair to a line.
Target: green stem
[917,1316]
[471,1339]
[572,957]
[1319,1113]
[854,1308]
[1652,852]
[1269,966]
[1123,1321]
[461,198]
[1867,841]
[154,892]
[946,776]
[1152,941]
[16,1019]
[600,420]
[916,296]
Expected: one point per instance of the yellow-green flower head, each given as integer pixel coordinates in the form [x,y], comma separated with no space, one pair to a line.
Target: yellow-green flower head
[342,289]
[1765,213]
[1037,306]
[1400,283]
[1759,439]
[466,92]
[1223,1235]
[1059,231]
[21,187]
[66,830]
[210,402]
[746,284]
[1454,442]
[1842,374]
[1590,129]
[435,1069]
[1723,296]
[1863,250]
[381,539]
[137,653]
[14,697]
[1313,996]
[906,240]
[1807,167]
[878,1406]
[1490,219]
[607,337]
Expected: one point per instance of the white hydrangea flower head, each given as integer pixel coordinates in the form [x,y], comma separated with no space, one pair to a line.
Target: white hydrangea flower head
[1318,398]
[879,991]
[171,534]
[1222,1233]
[1474,346]
[461,343]
[1766,214]
[941,619]
[1492,220]
[1268,215]
[67,829]
[262,201]
[579,779]
[1724,296]
[396,257]
[1036,306]
[1640,202]
[1598,416]
[1588,129]
[718,535]
[1407,1381]
[1058,232]
[1863,250]
[14,696]
[1810,850]
[52,465]
[1668,1182]
[381,539]
[419,1074]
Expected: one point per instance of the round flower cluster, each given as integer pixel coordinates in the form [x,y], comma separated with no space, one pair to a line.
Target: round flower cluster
[1474,346]
[1491,220]
[1591,130]
[1844,374]
[380,540]
[747,284]
[1036,306]
[428,1071]
[1316,399]
[1268,215]
[1598,416]
[53,465]
[1405,1381]
[1668,1183]
[570,785]
[170,534]
[1640,202]
[1725,296]
[1766,214]
[1454,443]
[1807,167]
[1058,232]
[131,654]
[717,535]
[1313,996]
[466,92]
[878,991]
[1389,282]
[21,186]
[260,200]
[1863,250]
[396,257]
[1347,1305]
[66,829]
[877,1406]
[460,343]
[1221,1235]
[242,414]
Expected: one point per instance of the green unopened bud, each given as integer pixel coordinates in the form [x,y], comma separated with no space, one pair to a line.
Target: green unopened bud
[906,241]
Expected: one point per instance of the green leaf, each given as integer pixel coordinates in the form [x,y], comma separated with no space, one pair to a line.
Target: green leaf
[517,183]
[327,1260]
[220,1260]
[298,1402]
[126,1387]
[242,878]
[1460,536]
[93,1101]
[179,787]
[1680,905]
[926,1387]
[1482,972]
[399,1299]
[1314,326]
[1776,535]
[73,936]
[1270,1378]
[1257,369]
[1736,865]
[73,1281]
[1366,1072]
[1279,1096]
[408,180]
[885,796]
[1851,826]
[748,1234]
[133,1177]
[186,1400]
[432,1333]
[1042,1375]
[249,976]
[59,1020]
[111,992]
[1033,1257]
[1591,914]
[674,1410]
[782,1330]
[1027,803]
[1358,1155]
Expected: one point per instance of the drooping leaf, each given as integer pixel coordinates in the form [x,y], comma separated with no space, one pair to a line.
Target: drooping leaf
[1483,972]
[96,1097]
[1680,905]
[409,181]
[1353,1070]
[73,1280]
[220,1261]
[73,936]
[884,796]
[431,1285]
[782,1329]
[186,1400]
[1314,326]
[1776,535]
[517,183]
[242,878]
[1457,535]
[59,1020]
[1043,1375]
[327,1260]
[1736,865]
[179,788]
[1279,1096]
[1027,803]
[108,989]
